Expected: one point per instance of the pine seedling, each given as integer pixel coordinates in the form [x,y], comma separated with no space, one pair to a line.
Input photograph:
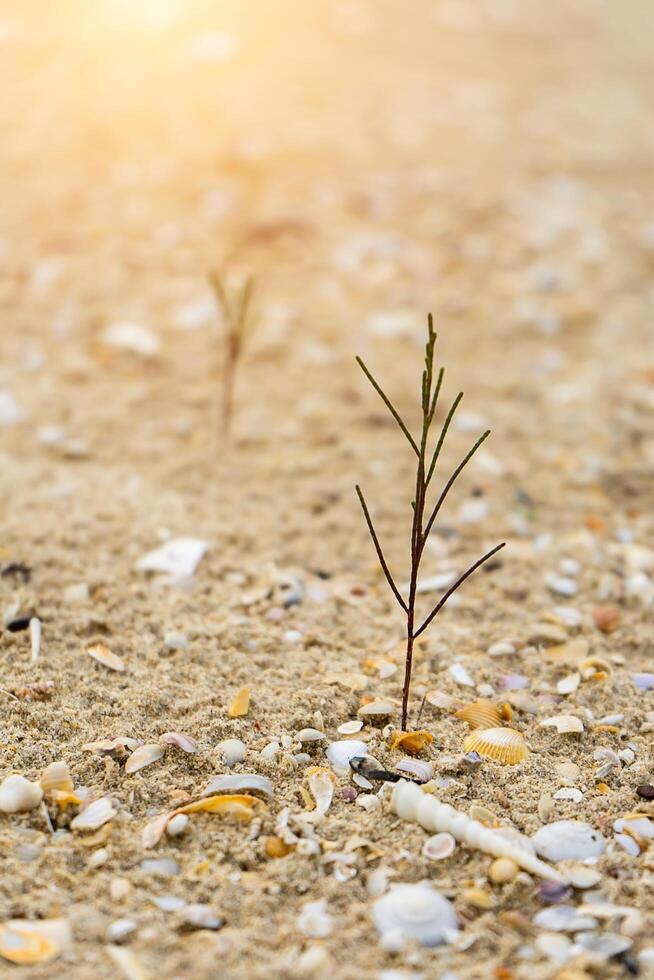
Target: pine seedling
[423,516]
[238,326]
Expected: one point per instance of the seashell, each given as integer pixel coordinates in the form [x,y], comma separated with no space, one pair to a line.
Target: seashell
[94,815]
[177,825]
[350,728]
[183,742]
[370,802]
[237,782]
[414,912]
[17,794]
[339,753]
[310,735]
[569,793]
[35,638]
[56,776]
[270,751]
[411,742]
[378,707]
[628,844]
[232,750]
[103,655]
[564,918]
[120,929]
[504,745]
[240,703]
[595,669]
[569,684]
[638,824]
[111,745]
[480,714]
[581,876]
[459,674]
[604,945]
[502,871]
[643,681]
[438,847]
[25,942]
[322,790]
[179,557]
[144,756]
[410,803]
[568,840]
[422,771]
[438,699]
[564,724]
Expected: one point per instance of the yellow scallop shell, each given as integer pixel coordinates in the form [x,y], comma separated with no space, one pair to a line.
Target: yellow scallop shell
[411,742]
[503,745]
[480,714]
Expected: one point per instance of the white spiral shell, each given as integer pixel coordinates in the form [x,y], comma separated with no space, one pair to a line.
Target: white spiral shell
[410,803]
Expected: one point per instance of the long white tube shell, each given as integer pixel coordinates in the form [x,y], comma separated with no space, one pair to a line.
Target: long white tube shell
[410,803]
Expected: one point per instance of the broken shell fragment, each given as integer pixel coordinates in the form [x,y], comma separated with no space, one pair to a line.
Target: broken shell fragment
[350,728]
[322,790]
[177,825]
[236,782]
[504,745]
[564,724]
[568,840]
[240,703]
[310,735]
[480,714]
[569,684]
[94,815]
[56,776]
[103,655]
[595,669]
[144,756]
[241,806]
[232,750]
[411,742]
[414,912]
[438,846]
[379,707]
[17,794]
[25,943]
[181,741]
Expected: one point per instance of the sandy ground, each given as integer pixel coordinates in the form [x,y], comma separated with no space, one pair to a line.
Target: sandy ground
[367,162]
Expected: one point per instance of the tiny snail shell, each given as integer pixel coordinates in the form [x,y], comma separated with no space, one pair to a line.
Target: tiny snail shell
[414,912]
[438,847]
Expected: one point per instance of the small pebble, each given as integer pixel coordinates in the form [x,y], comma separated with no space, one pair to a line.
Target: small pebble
[177,825]
[503,870]
[646,790]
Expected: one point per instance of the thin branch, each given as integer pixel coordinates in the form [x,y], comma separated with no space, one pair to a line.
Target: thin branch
[450,482]
[441,602]
[437,391]
[380,554]
[441,438]
[386,400]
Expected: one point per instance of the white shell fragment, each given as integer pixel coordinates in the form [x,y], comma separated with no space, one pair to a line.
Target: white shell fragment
[417,768]
[179,557]
[568,840]
[144,756]
[379,707]
[310,735]
[564,918]
[103,655]
[94,815]
[237,782]
[414,912]
[564,724]
[459,674]
[350,727]
[18,794]
[322,790]
[340,753]
[438,847]
[232,750]
[410,803]
[35,638]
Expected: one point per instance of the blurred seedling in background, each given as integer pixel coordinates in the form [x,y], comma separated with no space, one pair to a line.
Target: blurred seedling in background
[421,527]
[238,324]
